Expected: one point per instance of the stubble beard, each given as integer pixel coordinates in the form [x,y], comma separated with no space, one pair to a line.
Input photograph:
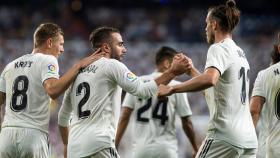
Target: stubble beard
[210,39]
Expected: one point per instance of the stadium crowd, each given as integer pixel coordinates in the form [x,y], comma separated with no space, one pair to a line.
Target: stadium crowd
[144,31]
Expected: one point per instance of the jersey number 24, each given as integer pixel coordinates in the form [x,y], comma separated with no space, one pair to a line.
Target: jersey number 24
[162,116]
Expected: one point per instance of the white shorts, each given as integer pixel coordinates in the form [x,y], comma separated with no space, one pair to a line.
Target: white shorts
[213,148]
[23,142]
[105,153]
[155,151]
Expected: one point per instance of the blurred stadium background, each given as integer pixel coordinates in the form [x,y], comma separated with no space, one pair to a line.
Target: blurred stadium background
[145,25]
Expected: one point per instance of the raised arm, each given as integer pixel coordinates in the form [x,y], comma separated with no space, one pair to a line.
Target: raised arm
[208,79]
[191,70]
[124,120]
[179,66]
[55,87]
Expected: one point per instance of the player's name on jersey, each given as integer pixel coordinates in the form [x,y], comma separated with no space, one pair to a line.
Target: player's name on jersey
[89,69]
[23,64]
[276,72]
[241,54]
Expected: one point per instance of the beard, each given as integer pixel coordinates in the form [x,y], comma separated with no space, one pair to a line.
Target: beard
[115,56]
[210,38]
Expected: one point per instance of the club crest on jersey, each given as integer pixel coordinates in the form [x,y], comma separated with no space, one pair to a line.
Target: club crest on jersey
[130,76]
[51,69]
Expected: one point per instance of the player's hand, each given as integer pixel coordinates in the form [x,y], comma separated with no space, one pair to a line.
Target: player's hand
[189,66]
[180,64]
[164,90]
[92,58]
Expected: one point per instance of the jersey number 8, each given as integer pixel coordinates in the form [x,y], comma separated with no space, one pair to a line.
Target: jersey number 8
[19,96]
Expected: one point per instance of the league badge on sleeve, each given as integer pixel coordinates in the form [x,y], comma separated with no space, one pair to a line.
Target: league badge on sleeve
[51,69]
[130,76]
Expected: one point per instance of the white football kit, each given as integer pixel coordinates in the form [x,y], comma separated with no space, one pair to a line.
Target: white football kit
[27,102]
[94,100]
[153,122]
[230,118]
[267,85]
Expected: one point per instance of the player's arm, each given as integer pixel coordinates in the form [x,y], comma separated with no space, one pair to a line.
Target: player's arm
[123,122]
[194,72]
[208,79]
[64,119]
[119,73]
[180,64]
[64,135]
[2,98]
[258,97]
[256,104]
[218,61]
[55,87]
[189,131]
[2,102]
[191,70]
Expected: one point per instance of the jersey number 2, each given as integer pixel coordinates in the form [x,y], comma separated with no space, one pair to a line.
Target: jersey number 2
[83,86]
[162,117]
[19,96]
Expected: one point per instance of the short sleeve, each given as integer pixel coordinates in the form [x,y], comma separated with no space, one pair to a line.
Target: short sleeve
[129,101]
[182,105]
[49,68]
[218,57]
[258,89]
[131,83]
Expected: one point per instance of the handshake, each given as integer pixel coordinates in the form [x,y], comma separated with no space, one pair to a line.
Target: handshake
[181,64]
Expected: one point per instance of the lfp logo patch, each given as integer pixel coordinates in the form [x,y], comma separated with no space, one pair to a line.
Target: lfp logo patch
[51,69]
[130,76]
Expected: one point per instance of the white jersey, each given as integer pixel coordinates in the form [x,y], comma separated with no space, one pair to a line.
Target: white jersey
[230,118]
[95,100]
[154,120]
[267,85]
[27,102]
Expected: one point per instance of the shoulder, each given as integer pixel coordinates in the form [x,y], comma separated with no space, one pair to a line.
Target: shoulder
[46,57]
[261,73]
[273,69]
[112,63]
[43,58]
[218,48]
[11,64]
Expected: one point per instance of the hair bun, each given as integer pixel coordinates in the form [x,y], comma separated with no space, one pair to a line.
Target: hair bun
[230,3]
